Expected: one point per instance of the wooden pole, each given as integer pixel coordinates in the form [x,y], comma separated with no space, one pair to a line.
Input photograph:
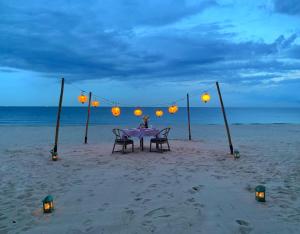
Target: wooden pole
[54,151]
[189,117]
[225,119]
[88,118]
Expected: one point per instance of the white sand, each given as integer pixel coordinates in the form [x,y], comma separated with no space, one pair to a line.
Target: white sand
[195,188]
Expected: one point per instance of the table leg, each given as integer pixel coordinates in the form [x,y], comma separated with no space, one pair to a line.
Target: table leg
[142,144]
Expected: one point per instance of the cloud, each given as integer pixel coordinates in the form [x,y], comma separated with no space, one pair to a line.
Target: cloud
[101,40]
[289,7]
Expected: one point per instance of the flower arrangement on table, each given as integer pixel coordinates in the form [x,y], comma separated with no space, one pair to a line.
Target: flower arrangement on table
[145,122]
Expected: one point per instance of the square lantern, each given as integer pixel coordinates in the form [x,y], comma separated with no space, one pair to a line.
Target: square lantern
[54,155]
[236,154]
[48,205]
[260,193]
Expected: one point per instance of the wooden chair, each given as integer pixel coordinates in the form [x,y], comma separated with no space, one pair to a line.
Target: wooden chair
[122,139]
[160,139]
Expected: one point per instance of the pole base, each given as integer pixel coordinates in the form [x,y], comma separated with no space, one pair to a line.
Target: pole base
[54,155]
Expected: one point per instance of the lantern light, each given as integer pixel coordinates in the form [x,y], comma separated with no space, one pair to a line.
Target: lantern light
[95,103]
[54,155]
[48,205]
[159,113]
[205,97]
[138,112]
[173,109]
[236,154]
[82,98]
[260,193]
[116,111]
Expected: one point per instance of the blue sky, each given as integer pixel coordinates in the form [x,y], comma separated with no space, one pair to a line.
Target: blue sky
[144,53]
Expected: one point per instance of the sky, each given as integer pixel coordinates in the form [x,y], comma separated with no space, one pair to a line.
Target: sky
[150,52]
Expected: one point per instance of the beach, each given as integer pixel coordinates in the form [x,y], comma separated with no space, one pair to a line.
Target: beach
[198,187]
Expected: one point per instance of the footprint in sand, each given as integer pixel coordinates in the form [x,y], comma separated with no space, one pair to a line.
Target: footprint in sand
[190,200]
[152,186]
[149,226]
[128,215]
[244,226]
[195,189]
[198,205]
[146,200]
[157,213]
[138,199]
[87,222]
[242,222]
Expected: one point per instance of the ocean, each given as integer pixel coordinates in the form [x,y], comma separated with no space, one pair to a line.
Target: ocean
[46,116]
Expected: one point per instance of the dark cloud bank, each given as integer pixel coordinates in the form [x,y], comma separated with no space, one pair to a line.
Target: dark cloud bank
[128,40]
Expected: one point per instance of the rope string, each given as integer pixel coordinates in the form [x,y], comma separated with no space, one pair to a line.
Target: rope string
[194,93]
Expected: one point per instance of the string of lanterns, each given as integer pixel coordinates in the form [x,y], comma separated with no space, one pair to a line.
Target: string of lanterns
[116,110]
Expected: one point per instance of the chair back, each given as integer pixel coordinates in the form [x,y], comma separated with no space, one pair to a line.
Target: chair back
[164,133]
[117,133]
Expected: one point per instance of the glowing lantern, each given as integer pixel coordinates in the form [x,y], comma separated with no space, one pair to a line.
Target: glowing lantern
[82,98]
[116,111]
[260,193]
[48,205]
[137,112]
[95,103]
[236,154]
[173,109]
[159,113]
[54,156]
[205,97]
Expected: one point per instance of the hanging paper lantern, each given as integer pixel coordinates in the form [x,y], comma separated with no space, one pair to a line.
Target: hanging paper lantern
[173,109]
[48,205]
[159,113]
[95,103]
[82,98]
[205,97]
[116,111]
[138,112]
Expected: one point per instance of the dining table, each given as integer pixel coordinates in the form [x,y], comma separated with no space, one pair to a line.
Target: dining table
[140,133]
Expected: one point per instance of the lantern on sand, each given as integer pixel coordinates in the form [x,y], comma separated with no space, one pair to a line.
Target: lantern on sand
[159,113]
[116,111]
[82,98]
[205,97]
[260,193]
[173,109]
[95,103]
[138,112]
[236,154]
[48,205]
[54,155]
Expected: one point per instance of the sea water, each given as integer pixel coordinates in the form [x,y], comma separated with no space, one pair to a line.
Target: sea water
[40,116]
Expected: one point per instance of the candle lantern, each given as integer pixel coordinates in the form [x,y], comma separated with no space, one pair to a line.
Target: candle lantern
[116,111]
[260,193]
[236,154]
[54,155]
[82,98]
[138,112]
[173,109]
[205,97]
[48,205]
[95,103]
[159,113]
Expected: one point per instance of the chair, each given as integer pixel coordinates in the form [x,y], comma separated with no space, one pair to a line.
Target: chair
[160,139]
[122,140]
